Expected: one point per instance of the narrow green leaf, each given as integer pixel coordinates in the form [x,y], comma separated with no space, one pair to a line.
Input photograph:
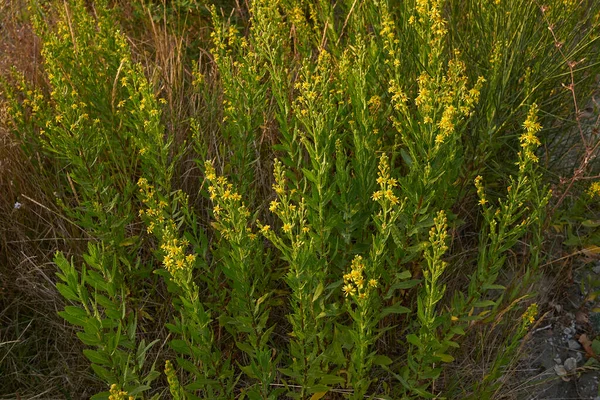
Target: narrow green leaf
[380,359]
[395,309]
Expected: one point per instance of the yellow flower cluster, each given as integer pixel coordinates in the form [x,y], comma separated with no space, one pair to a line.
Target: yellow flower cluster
[117,394]
[480,190]
[355,282]
[386,183]
[154,209]
[594,190]
[220,188]
[438,234]
[430,11]
[299,23]
[529,315]
[374,104]
[446,124]
[312,85]
[223,39]
[172,378]
[231,214]
[388,33]
[529,140]
[399,99]
[293,215]
[175,258]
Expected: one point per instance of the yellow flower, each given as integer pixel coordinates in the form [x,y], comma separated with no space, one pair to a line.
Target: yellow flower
[377,195]
[594,189]
[529,315]
[373,283]
[349,289]
[287,227]
[273,206]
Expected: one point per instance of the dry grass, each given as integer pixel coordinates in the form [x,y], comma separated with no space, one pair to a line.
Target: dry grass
[40,357]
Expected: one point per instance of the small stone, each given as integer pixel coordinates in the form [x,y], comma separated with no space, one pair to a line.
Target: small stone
[574,344]
[570,364]
[560,370]
[557,360]
[578,357]
[567,332]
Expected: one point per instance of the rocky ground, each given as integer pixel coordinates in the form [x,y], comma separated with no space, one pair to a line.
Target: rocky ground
[563,352]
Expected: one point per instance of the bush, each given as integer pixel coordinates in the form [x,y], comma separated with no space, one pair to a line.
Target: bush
[373,193]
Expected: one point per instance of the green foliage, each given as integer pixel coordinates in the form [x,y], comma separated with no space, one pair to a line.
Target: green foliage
[324,247]
[108,322]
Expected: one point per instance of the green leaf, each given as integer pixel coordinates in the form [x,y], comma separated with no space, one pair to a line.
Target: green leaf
[100,396]
[104,374]
[89,339]
[245,347]
[484,303]
[67,292]
[380,359]
[139,389]
[590,224]
[395,309]
[407,284]
[141,351]
[331,380]
[309,175]
[406,157]
[403,275]
[318,388]
[73,319]
[97,357]
[318,291]
[414,340]
[128,242]
[445,357]
[152,375]
[458,330]
[494,287]
[200,383]
[180,346]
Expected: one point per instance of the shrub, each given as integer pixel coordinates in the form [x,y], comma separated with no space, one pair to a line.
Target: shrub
[366,170]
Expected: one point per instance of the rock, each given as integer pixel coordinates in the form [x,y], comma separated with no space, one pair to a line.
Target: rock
[570,364]
[567,332]
[560,370]
[557,360]
[573,344]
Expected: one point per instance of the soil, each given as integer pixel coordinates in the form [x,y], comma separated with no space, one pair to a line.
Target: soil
[560,363]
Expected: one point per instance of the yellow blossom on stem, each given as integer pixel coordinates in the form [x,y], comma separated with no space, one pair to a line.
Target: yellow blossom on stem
[349,289]
[594,190]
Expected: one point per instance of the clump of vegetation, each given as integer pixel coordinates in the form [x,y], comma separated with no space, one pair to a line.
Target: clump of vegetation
[312,200]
